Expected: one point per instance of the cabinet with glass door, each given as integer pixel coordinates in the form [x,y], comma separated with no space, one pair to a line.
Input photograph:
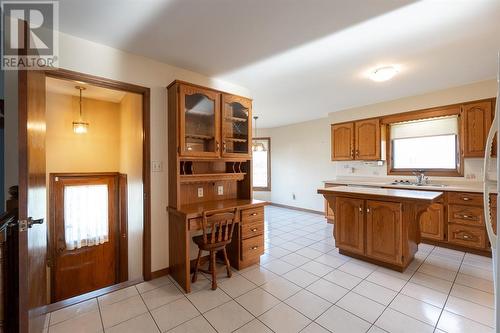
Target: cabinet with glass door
[236,126]
[199,120]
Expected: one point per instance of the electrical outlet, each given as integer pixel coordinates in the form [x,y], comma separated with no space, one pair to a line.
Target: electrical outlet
[157,166]
[200,192]
[220,190]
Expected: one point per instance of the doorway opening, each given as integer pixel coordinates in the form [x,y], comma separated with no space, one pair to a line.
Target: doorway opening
[98,216]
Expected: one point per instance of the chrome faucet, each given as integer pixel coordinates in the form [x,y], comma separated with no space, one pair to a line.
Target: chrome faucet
[421,178]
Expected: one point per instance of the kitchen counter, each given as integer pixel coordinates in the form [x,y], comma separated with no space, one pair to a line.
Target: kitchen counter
[386,193]
[449,186]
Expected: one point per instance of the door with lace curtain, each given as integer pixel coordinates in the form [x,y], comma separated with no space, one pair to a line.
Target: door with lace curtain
[85,216]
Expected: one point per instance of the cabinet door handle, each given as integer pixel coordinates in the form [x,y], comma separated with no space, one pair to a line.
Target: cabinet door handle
[224,146]
[357,152]
[352,153]
[360,209]
[217,146]
[253,214]
[368,210]
[254,229]
[255,247]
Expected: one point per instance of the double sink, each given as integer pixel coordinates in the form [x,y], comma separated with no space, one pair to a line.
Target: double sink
[408,183]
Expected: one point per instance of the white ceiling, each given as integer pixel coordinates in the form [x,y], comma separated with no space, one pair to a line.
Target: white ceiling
[67,87]
[303,59]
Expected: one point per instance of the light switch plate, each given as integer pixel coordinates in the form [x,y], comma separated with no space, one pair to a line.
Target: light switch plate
[157,166]
[200,192]
[220,190]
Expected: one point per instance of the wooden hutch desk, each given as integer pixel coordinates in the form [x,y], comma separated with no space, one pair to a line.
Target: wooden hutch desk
[210,161]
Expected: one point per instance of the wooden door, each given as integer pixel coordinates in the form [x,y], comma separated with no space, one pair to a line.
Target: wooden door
[91,264]
[432,222]
[477,118]
[367,139]
[349,225]
[384,231]
[32,250]
[199,121]
[236,126]
[342,138]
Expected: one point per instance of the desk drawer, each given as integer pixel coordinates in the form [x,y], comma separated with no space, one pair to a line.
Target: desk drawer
[252,214]
[464,198]
[251,229]
[252,248]
[466,215]
[467,236]
[195,224]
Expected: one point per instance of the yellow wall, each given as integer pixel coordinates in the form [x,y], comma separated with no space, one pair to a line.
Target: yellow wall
[112,144]
[96,151]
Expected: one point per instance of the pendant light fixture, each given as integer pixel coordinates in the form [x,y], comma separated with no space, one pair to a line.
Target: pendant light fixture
[257,146]
[80,126]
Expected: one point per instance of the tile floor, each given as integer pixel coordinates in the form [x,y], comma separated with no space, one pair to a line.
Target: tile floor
[303,285]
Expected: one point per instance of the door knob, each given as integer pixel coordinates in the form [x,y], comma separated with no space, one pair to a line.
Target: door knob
[31,222]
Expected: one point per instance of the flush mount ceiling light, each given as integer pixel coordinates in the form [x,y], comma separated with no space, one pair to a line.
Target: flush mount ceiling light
[385,73]
[80,126]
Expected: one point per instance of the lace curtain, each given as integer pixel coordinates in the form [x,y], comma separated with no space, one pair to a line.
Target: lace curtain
[85,215]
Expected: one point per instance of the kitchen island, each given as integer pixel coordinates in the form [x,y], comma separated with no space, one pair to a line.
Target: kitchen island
[378,225]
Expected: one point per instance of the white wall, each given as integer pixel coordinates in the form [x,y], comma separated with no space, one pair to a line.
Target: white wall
[300,153]
[131,165]
[300,160]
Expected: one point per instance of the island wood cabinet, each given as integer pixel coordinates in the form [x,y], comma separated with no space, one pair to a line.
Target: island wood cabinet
[384,231]
[360,140]
[477,119]
[213,124]
[349,224]
[383,228]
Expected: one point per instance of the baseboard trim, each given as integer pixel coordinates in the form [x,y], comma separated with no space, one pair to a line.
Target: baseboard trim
[160,273]
[298,208]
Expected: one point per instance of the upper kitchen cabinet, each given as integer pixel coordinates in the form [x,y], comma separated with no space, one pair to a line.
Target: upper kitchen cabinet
[360,140]
[367,139]
[236,126]
[342,142]
[477,119]
[199,119]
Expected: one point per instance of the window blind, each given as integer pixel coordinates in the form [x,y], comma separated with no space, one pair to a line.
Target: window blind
[425,127]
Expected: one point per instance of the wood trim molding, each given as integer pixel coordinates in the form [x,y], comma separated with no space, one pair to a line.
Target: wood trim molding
[160,273]
[65,74]
[268,187]
[298,208]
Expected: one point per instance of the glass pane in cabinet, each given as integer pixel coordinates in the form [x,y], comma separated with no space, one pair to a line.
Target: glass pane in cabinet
[199,118]
[235,128]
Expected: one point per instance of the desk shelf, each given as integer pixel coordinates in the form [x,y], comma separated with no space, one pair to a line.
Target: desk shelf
[212,177]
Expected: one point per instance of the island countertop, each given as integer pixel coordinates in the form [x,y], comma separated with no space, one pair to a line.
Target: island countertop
[385,193]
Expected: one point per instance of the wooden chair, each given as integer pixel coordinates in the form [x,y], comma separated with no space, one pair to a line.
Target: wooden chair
[218,229]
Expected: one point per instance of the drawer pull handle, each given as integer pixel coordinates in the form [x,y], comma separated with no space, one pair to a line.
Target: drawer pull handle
[465,237]
[465,199]
[253,214]
[255,247]
[254,229]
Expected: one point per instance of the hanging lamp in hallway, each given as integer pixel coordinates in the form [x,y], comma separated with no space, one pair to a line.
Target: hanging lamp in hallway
[80,126]
[257,146]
